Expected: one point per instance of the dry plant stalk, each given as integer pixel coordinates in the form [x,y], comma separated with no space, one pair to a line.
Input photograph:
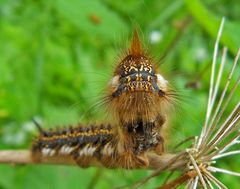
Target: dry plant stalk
[139,98]
[198,162]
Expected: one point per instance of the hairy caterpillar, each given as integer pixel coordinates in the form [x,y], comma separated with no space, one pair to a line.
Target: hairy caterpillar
[138,96]
[139,99]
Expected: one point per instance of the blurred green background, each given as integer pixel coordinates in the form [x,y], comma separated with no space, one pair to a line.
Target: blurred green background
[57,56]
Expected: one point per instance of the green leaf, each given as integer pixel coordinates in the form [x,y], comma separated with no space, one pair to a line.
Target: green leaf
[211,23]
[6,179]
[92,18]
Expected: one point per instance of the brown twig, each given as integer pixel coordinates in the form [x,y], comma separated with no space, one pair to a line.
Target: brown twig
[173,163]
[180,180]
[24,157]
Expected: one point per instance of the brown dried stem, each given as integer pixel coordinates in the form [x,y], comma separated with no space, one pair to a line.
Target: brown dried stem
[23,157]
[180,180]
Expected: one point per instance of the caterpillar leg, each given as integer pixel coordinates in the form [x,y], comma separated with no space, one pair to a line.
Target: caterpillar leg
[159,149]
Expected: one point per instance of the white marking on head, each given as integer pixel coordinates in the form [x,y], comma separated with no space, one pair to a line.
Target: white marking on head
[161,82]
[114,82]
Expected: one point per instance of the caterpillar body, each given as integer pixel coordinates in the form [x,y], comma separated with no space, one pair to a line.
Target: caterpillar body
[86,146]
[139,98]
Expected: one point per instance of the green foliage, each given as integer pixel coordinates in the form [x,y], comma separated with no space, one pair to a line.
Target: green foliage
[57,56]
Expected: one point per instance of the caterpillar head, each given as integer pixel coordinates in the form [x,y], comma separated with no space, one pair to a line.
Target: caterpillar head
[137,73]
[137,89]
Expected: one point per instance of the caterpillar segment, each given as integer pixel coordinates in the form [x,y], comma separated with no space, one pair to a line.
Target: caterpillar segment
[87,146]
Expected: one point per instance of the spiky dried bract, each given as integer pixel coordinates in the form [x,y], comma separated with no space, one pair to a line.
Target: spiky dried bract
[216,138]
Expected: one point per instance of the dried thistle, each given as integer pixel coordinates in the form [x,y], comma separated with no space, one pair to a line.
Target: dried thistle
[198,163]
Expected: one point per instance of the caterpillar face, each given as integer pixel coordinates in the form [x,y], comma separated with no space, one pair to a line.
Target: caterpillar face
[137,93]
[137,74]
